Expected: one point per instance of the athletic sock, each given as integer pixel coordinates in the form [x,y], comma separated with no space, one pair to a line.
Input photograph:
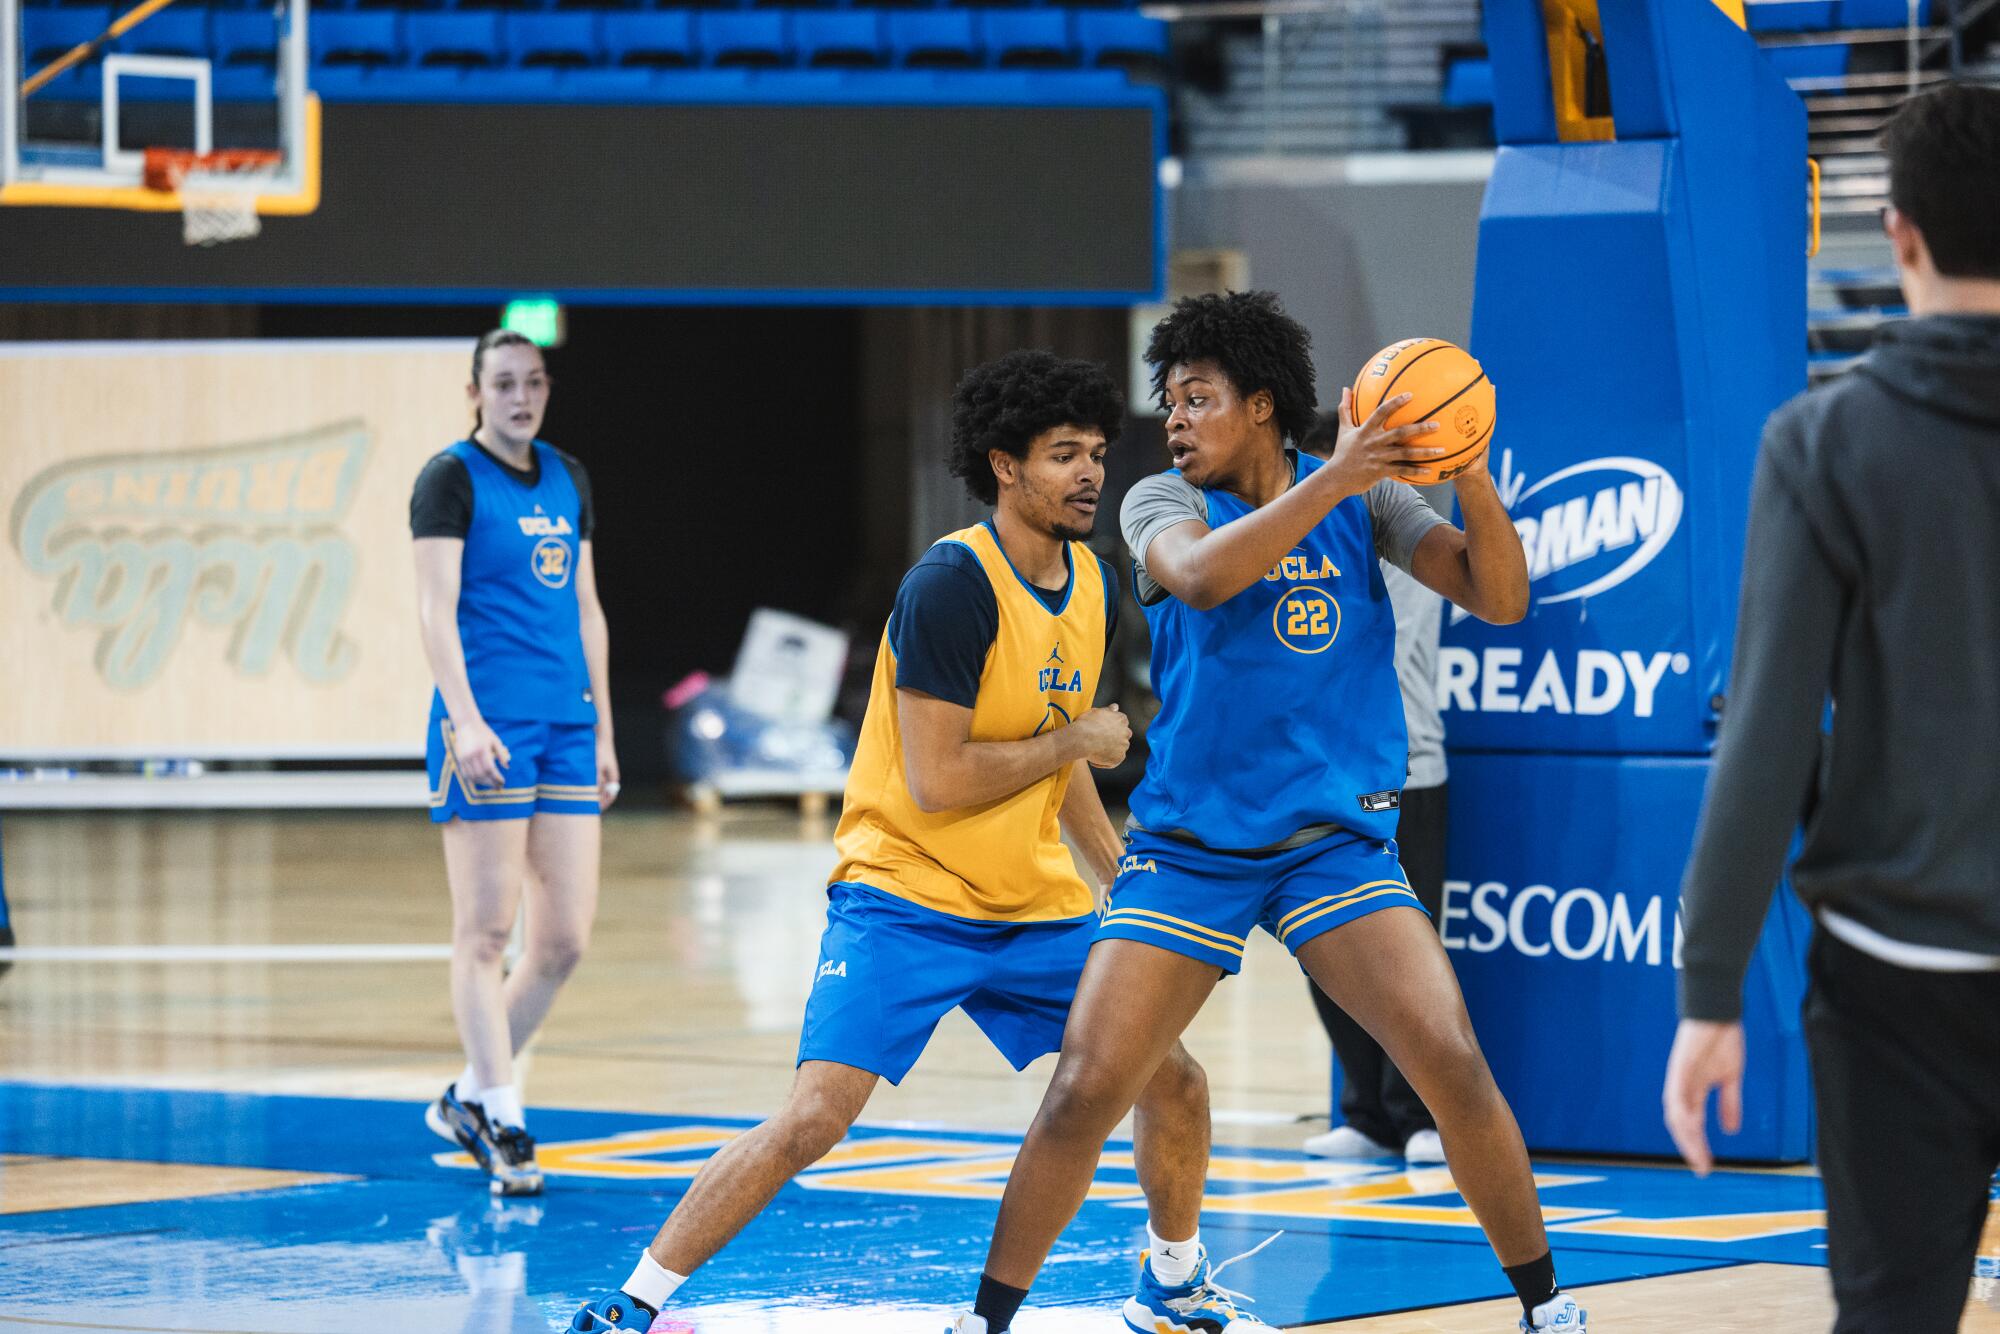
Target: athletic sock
[466,1087]
[652,1284]
[503,1106]
[1174,1262]
[997,1303]
[1534,1282]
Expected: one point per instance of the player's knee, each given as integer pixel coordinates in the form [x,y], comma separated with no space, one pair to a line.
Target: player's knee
[1084,1098]
[557,956]
[809,1127]
[1457,1076]
[1180,1082]
[483,943]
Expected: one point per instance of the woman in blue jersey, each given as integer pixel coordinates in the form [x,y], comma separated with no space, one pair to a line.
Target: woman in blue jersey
[1277,758]
[520,746]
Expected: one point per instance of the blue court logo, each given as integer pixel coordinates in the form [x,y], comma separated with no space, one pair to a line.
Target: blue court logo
[1306,619]
[551,561]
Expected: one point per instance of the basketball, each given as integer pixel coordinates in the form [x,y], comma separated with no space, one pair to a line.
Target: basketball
[1447,385]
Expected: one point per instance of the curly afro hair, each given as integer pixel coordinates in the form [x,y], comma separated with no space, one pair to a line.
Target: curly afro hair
[1005,404]
[1255,343]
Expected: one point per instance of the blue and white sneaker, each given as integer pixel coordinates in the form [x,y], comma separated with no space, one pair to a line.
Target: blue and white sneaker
[618,1311]
[505,1153]
[1558,1315]
[1198,1306]
[967,1324]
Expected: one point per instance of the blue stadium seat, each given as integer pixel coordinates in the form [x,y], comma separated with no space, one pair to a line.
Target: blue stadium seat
[559,41]
[467,39]
[1881,13]
[849,39]
[173,31]
[1821,61]
[754,39]
[368,39]
[1029,39]
[47,33]
[1122,39]
[662,40]
[1468,83]
[935,39]
[1792,15]
[243,38]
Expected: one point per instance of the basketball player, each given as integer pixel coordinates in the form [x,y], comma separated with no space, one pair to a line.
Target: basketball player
[1270,797]
[954,888]
[520,746]
[1868,574]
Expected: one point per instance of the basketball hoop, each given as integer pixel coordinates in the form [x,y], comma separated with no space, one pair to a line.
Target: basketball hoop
[218,190]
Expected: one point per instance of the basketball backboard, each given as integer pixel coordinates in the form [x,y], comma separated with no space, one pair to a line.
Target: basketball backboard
[103,109]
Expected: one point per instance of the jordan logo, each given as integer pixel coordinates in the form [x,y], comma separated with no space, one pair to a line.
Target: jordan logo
[1055,654]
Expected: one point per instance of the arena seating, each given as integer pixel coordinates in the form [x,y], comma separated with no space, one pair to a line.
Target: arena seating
[363,50]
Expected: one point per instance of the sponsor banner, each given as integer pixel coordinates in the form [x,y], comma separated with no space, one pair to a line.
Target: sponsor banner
[1561,916]
[207,550]
[1606,658]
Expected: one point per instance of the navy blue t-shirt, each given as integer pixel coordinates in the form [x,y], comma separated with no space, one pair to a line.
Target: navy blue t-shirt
[946,618]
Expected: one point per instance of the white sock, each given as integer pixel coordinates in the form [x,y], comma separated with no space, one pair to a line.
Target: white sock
[1173,1261]
[651,1283]
[503,1106]
[466,1087]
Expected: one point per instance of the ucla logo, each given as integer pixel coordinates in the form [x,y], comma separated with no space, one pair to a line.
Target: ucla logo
[245,537]
[539,524]
[1297,568]
[832,969]
[1056,679]
[1056,676]
[1306,619]
[1134,864]
[551,561]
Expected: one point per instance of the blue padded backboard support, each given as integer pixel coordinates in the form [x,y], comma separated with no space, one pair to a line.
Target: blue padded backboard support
[1640,307]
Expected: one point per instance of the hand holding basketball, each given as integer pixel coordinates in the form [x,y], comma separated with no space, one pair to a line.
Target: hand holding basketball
[1372,450]
[1434,381]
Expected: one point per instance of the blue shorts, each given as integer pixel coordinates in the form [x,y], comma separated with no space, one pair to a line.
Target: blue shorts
[1202,903]
[550,767]
[890,969]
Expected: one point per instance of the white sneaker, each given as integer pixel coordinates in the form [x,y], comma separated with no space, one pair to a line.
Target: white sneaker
[1346,1142]
[1424,1148]
[967,1324]
[1558,1315]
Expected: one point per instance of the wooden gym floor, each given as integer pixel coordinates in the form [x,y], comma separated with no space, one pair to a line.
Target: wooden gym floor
[171,1159]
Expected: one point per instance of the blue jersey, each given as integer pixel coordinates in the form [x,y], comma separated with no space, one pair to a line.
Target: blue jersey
[517,612]
[1279,709]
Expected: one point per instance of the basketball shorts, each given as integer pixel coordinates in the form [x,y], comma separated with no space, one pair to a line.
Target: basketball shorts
[1195,901]
[890,969]
[551,767]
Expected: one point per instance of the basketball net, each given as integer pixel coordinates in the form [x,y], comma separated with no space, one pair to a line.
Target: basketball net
[218,190]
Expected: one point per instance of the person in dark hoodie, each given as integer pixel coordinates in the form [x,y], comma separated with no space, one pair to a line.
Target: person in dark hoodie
[1872,574]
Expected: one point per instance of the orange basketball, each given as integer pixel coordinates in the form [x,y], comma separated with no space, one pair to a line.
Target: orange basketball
[1446,386]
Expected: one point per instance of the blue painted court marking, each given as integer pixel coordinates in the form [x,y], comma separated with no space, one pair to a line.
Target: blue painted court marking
[887,1232]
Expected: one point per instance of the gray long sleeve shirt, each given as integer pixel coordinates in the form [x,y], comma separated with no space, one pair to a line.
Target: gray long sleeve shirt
[1871,572]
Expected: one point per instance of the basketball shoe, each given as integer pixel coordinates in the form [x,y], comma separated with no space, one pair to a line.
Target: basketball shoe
[1558,1315]
[618,1311]
[967,1324]
[1198,1306]
[505,1153]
